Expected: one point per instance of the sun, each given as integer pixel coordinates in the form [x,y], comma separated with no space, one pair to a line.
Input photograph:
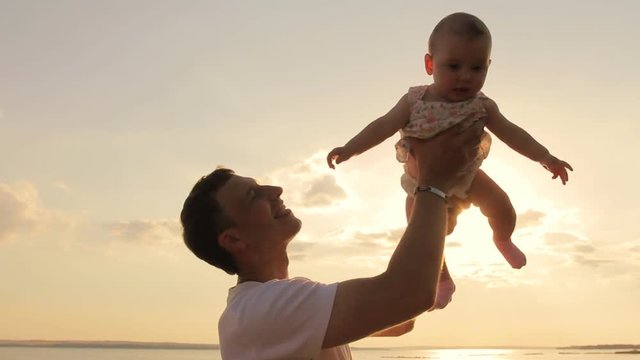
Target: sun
[470,247]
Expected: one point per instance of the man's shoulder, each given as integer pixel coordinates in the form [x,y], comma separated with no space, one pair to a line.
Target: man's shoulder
[278,285]
[264,316]
[265,294]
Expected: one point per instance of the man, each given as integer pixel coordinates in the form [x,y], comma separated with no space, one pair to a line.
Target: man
[244,228]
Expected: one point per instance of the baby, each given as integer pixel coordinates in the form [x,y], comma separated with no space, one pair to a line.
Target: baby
[458,59]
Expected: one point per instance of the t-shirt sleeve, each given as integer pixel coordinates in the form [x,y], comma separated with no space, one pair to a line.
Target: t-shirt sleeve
[287,318]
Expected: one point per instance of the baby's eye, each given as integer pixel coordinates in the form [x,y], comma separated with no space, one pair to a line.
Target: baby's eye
[454,66]
[477,68]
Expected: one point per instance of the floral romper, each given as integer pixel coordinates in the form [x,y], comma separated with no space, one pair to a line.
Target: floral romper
[429,118]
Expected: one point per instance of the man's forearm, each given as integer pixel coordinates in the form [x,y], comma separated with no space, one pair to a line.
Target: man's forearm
[415,265]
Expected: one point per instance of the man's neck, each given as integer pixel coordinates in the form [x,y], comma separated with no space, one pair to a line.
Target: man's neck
[263,267]
[265,273]
[245,277]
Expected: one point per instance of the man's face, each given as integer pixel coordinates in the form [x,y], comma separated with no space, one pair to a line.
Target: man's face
[260,216]
[460,66]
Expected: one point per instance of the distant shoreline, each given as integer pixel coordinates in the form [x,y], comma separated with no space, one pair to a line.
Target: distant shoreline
[107,344]
[601,347]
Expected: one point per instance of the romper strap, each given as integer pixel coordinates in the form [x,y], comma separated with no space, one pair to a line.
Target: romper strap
[416,93]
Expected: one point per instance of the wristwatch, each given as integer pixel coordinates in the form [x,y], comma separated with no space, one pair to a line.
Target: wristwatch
[425,188]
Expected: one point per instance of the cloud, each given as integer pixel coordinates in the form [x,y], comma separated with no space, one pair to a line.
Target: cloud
[609,261]
[365,247]
[558,239]
[299,249]
[22,212]
[17,209]
[589,261]
[151,232]
[582,248]
[615,261]
[323,191]
[492,275]
[308,184]
[578,250]
[632,246]
[384,236]
[61,186]
[529,218]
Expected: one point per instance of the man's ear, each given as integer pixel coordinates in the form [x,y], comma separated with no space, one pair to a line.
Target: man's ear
[428,63]
[230,241]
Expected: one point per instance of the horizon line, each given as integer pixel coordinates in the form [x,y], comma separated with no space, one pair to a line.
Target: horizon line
[168,345]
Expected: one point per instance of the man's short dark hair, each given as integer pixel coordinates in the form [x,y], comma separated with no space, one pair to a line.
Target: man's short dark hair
[203,220]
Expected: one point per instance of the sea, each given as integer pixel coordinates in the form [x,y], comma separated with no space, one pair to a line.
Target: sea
[56,353]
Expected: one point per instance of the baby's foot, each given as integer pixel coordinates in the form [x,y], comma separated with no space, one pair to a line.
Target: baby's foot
[445,291]
[512,254]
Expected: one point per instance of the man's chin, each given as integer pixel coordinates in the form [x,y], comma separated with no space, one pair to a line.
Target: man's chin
[298,225]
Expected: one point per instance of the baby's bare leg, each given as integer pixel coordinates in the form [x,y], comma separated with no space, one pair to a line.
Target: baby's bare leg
[446,286]
[494,203]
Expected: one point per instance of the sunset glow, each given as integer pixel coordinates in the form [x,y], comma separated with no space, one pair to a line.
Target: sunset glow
[110,111]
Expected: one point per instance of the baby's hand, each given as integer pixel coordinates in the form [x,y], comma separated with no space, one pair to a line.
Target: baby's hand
[557,167]
[339,154]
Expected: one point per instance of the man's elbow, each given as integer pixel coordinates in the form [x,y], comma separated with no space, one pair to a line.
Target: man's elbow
[428,301]
[416,298]
[397,330]
[421,303]
[404,328]
[409,325]
[411,298]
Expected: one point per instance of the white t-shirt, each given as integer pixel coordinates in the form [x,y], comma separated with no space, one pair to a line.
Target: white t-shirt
[279,319]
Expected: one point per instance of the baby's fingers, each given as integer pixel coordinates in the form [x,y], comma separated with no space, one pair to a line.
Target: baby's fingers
[566,165]
[562,174]
[330,158]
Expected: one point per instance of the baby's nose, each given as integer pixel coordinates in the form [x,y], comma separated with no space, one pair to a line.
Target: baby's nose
[465,74]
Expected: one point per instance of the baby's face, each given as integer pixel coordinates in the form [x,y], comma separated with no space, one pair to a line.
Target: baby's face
[460,66]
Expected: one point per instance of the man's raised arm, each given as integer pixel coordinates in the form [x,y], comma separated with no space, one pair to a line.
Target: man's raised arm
[407,288]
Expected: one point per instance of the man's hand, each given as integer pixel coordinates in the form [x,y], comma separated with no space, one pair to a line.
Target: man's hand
[440,159]
[557,167]
[339,154]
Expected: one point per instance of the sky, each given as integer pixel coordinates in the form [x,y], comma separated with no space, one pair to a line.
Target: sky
[110,111]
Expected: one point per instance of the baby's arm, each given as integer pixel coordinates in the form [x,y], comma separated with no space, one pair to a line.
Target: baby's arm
[373,134]
[520,140]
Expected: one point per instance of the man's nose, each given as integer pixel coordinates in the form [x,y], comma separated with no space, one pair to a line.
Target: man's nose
[274,191]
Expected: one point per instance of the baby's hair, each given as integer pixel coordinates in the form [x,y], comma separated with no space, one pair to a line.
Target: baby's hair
[460,24]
